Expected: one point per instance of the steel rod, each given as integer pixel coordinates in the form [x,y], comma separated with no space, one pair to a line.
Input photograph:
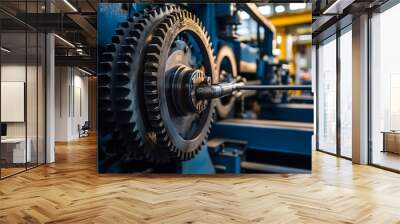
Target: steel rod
[274,87]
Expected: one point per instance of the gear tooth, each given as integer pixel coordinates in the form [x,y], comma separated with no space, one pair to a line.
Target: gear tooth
[157,40]
[159,32]
[153,51]
[105,67]
[135,33]
[125,25]
[120,32]
[149,16]
[104,91]
[122,92]
[108,56]
[152,56]
[151,92]
[150,85]
[151,101]
[123,66]
[123,104]
[124,116]
[125,57]
[155,117]
[131,40]
[171,19]
[103,79]
[164,26]
[127,48]
[111,48]
[121,79]
[139,26]
[150,76]
[151,67]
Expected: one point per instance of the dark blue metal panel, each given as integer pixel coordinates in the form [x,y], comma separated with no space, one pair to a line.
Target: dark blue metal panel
[266,138]
[288,112]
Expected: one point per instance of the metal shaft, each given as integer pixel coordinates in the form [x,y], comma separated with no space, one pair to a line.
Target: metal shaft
[274,87]
[226,89]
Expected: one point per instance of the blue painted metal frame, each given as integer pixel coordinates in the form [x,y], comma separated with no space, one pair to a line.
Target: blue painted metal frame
[266,138]
[200,164]
[288,112]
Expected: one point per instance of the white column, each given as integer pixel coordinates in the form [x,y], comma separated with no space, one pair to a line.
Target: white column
[50,93]
[360,90]
[50,99]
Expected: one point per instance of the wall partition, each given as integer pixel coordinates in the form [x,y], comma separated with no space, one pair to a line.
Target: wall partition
[22,78]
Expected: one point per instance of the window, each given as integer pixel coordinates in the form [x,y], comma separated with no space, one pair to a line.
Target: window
[385,89]
[327,96]
[346,93]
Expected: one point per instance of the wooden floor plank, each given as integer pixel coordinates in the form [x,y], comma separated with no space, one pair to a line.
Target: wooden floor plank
[71,191]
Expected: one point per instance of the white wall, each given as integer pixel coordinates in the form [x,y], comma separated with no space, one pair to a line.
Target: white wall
[33,127]
[71,87]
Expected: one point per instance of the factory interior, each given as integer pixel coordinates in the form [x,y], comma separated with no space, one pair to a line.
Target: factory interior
[265,112]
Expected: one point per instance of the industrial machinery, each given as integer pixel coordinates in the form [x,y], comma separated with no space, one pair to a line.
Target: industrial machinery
[163,91]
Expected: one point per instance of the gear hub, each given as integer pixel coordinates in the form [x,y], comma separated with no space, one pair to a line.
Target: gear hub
[184,82]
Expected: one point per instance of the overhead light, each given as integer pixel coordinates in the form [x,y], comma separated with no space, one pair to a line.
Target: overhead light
[5,50]
[305,37]
[65,41]
[84,71]
[297,6]
[279,8]
[337,7]
[70,5]
[276,52]
[265,10]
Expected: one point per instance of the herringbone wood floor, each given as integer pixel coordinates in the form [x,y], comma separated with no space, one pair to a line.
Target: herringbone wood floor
[70,191]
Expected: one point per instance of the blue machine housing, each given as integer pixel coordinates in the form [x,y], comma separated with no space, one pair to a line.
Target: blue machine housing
[231,141]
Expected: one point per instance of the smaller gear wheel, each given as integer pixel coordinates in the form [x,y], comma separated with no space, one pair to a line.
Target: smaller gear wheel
[227,71]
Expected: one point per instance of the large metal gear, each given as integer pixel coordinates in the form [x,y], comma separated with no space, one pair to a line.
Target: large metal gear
[178,60]
[120,84]
[227,71]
